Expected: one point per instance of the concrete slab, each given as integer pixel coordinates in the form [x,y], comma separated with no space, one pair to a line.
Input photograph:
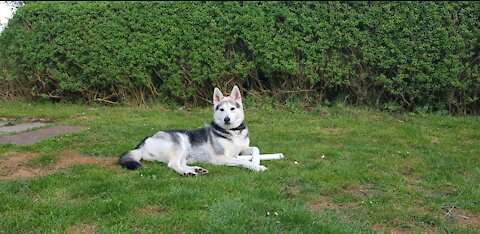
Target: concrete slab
[19,127]
[33,137]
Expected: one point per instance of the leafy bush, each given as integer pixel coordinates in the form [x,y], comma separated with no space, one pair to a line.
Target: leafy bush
[414,55]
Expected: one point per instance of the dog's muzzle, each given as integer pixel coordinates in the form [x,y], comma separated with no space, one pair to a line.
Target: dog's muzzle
[226,120]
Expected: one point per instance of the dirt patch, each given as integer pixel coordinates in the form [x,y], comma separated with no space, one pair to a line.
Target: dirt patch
[463,217]
[434,140]
[84,117]
[291,191]
[450,191]
[151,210]
[26,120]
[13,165]
[361,190]
[331,130]
[466,219]
[374,117]
[321,202]
[395,226]
[379,227]
[69,158]
[82,228]
[385,229]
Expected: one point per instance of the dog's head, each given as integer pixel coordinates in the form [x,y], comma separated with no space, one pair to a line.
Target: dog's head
[228,111]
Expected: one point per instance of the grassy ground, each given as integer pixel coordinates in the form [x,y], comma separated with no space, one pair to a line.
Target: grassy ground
[346,170]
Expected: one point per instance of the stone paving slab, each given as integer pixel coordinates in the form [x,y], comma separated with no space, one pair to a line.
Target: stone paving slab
[19,127]
[30,138]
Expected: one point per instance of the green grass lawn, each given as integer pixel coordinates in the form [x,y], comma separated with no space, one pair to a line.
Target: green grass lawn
[380,173]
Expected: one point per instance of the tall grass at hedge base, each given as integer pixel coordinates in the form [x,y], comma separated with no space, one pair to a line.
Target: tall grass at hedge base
[414,56]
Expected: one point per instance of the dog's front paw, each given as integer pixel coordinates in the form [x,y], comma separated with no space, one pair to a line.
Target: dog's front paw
[260,168]
[189,174]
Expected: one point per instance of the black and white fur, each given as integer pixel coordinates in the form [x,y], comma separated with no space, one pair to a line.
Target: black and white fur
[217,143]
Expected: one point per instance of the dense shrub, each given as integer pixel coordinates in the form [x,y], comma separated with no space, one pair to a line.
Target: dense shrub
[408,55]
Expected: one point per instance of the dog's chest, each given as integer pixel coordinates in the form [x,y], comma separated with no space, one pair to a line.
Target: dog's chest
[241,139]
[238,141]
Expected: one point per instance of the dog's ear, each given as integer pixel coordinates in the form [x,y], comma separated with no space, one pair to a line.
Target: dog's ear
[217,96]
[236,94]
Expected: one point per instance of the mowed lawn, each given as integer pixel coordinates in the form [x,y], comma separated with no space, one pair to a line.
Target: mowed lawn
[346,170]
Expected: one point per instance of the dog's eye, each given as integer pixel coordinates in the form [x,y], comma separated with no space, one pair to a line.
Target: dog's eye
[221,109]
[233,108]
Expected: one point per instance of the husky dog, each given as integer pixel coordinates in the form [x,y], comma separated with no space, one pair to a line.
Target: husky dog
[217,143]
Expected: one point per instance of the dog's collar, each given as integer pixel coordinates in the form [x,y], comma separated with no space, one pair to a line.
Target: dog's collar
[222,130]
[218,128]
[239,128]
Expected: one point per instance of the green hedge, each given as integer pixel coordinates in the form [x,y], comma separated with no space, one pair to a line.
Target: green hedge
[408,55]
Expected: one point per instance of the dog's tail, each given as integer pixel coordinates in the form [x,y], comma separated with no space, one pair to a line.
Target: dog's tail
[131,159]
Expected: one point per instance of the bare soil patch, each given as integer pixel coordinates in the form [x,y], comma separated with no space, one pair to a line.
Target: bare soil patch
[82,229]
[27,119]
[291,191]
[13,165]
[151,210]
[385,229]
[360,190]
[322,202]
[463,217]
[330,130]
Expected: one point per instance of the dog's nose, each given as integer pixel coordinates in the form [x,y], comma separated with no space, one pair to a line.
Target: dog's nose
[227,120]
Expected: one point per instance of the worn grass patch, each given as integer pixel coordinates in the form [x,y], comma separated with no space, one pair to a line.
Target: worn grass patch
[42,161]
[346,170]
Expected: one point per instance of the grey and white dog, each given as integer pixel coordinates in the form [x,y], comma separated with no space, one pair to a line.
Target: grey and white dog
[217,143]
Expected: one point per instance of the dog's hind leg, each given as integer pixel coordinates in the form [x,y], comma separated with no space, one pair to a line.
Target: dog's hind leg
[177,162]
[199,170]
